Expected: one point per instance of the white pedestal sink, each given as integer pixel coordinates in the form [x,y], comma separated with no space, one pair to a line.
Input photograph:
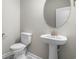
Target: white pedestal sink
[53,41]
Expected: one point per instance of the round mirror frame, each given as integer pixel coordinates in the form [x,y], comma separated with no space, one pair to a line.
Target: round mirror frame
[71,4]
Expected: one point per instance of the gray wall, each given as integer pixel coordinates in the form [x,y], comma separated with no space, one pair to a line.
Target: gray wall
[69,29]
[10,23]
[32,21]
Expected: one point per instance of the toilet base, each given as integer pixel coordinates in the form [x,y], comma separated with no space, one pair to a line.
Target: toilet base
[20,55]
[23,56]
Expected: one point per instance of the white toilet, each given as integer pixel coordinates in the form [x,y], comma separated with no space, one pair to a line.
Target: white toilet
[19,49]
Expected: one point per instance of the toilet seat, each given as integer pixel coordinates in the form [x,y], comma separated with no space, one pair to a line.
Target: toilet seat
[17,46]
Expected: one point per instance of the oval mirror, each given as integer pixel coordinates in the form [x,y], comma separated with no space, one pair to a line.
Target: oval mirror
[56,12]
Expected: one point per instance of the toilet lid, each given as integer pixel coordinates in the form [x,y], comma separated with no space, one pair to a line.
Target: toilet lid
[17,46]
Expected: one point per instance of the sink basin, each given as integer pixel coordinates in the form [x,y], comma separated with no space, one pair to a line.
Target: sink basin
[53,41]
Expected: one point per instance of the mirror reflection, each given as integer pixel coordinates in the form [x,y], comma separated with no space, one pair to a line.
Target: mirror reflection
[56,12]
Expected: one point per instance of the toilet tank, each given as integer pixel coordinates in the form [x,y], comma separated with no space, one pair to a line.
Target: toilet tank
[26,38]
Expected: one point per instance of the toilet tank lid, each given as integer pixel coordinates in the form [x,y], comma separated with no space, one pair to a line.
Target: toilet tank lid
[26,33]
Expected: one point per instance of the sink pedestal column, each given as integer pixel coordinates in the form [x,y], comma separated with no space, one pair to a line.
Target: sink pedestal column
[53,52]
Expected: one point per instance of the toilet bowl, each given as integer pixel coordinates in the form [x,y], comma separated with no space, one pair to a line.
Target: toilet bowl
[19,49]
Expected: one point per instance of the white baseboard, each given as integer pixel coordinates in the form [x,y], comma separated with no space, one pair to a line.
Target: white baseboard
[33,55]
[11,53]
